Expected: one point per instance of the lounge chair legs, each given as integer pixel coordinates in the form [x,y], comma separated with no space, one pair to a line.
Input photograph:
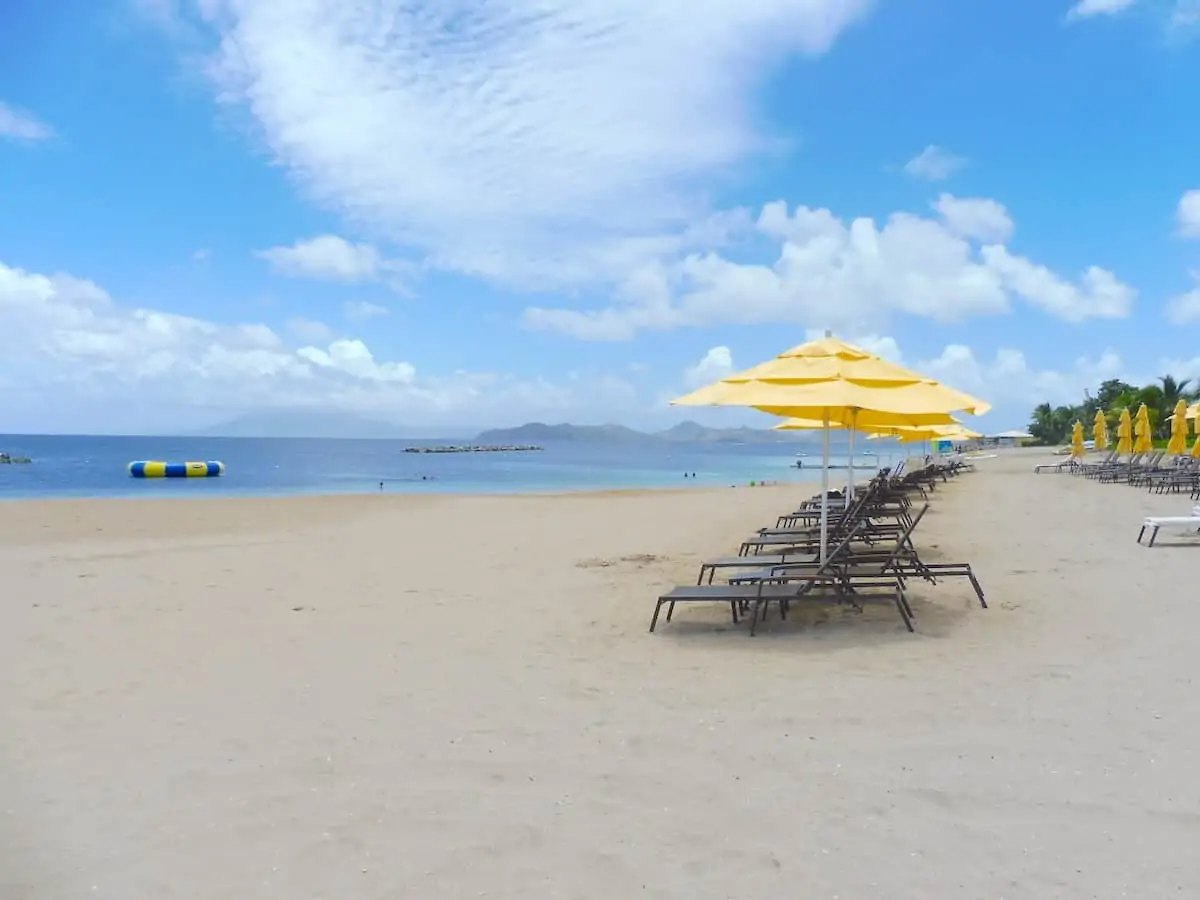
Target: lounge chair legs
[904,609]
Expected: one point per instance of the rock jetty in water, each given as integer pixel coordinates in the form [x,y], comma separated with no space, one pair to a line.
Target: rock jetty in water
[7,459]
[475,448]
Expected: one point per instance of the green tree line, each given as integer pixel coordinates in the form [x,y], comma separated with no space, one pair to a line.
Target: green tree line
[1053,424]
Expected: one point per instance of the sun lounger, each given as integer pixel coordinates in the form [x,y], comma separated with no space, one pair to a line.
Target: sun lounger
[901,560]
[1154,523]
[1066,465]
[742,596]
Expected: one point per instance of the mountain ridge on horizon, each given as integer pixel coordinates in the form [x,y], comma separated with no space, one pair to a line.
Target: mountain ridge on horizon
[331,424]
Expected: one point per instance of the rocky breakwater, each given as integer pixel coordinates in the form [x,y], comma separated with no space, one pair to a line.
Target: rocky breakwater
[475,448]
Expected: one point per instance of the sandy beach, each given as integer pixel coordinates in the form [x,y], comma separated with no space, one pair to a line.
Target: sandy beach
[457,697]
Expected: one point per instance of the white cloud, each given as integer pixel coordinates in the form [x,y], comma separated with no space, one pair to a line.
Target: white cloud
[1188,213]
[1185,308]
[310,331]
[201,255]
[1086,9]
[353,358]
[76,353]
[326,257]
[852,276]
[19,125]
[934,164]
[713,366]
[521,141]
[978,218]
[1098,295]
[361,309]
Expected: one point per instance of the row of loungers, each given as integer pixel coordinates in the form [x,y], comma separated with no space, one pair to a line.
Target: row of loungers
[1155,471]
[871,554]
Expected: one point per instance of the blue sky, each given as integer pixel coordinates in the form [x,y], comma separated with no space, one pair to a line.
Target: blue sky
[444,215]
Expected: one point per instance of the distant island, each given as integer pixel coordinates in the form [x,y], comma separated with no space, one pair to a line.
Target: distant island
[474,448]
[683,433]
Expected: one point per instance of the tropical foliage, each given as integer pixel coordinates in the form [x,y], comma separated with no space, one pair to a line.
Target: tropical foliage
[1052,424]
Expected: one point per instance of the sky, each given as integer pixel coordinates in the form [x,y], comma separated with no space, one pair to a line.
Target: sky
[444,213]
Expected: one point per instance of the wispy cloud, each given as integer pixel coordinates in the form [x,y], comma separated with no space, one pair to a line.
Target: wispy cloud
[361,309]
[1188,213]
[1087,9]
[328,257]
[20,125]
[934,164]
[519,141]
[1186,15]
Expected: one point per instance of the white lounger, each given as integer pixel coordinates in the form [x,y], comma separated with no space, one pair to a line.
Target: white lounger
[1153,523]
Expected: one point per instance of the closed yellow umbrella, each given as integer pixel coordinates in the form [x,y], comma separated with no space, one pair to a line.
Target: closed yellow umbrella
[1178,443]
[1077,440]
[1100,431]
[1124,433]
[841,384]
[1143,443]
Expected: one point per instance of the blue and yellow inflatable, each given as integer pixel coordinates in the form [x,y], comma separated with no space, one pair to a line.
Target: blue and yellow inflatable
[149,468]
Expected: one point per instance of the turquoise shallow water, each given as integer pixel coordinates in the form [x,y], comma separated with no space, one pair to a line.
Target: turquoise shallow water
[80,466]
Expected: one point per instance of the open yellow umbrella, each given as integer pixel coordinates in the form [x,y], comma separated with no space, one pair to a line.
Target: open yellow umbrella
[1077,440]
[1124,433]
[954,431]
[1178,443]
[837,383]
[1143,442]
[1100,430]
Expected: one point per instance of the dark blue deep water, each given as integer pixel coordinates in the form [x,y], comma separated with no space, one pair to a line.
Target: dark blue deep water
[79,466]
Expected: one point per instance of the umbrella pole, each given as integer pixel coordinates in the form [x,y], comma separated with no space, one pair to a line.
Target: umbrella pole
[850,476]
[825,490]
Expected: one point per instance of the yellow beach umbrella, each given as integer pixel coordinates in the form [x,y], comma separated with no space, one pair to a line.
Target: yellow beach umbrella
[830,378]
[1100,431]
[1143,443]
[837,383]
[953,431]
[1178,443]
[1124,433]
[1077,440]
[1196,443]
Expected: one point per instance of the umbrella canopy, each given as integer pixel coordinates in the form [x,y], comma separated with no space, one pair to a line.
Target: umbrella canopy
[1124,433]
[1178,443]
[1143,443]
[841,384]
[1100,431]
[1077,440]
[828,377]
[953,430]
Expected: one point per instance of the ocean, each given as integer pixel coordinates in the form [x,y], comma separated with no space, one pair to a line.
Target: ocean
[81,466]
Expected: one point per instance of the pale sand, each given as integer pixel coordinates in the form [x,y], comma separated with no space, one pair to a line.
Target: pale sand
[386,697]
